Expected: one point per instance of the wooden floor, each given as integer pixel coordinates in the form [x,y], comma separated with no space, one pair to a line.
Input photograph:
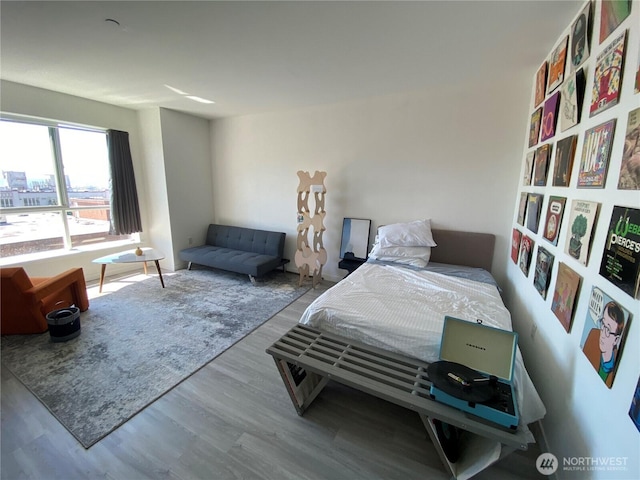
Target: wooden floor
[234,420]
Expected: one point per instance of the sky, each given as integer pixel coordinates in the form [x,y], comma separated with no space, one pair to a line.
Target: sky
[26,148]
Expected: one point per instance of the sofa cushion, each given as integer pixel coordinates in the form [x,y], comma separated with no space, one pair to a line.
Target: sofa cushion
[246,239]
[248,263]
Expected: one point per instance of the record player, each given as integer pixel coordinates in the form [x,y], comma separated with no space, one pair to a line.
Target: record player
[475,371]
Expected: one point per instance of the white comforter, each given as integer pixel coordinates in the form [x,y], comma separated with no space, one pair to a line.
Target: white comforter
[403,310]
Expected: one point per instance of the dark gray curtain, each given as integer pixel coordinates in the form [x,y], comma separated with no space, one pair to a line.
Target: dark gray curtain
[125,212]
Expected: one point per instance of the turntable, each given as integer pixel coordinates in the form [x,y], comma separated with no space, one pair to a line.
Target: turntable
[475,371]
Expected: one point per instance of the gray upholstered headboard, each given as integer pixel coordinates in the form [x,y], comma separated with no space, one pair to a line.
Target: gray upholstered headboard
[463,248]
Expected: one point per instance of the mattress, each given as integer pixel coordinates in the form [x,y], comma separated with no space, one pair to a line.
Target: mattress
[402,310]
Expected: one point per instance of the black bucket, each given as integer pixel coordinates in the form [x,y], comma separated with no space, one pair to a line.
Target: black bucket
[64,324]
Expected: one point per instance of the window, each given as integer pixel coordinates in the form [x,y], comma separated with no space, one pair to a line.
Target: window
[54,188]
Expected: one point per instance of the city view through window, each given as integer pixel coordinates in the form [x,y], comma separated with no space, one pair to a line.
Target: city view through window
[54,188]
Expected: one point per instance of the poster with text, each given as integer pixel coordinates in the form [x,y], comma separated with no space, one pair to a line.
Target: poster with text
[621,257]
[604,334]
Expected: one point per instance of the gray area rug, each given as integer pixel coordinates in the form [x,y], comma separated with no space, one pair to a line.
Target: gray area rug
[139,341]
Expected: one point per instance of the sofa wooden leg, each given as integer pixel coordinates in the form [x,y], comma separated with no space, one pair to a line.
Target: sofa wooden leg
[253,279]
[189,266]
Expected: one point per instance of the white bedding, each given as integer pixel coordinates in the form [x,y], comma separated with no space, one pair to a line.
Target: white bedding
[402,310]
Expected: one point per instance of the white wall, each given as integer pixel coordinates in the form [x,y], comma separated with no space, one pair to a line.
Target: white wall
[159,226]
[584,417]
[25,100]
[450,154]
[187,169]
[177,155]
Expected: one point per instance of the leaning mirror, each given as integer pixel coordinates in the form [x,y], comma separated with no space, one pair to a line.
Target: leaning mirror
[355,238]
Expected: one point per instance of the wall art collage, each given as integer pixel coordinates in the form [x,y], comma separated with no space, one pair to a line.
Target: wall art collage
[563,202]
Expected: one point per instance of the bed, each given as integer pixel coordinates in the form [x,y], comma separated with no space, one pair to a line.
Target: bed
[400,307]
[396,301]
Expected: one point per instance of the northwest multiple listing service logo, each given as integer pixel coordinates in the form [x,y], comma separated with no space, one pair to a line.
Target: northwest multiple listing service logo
[548,464]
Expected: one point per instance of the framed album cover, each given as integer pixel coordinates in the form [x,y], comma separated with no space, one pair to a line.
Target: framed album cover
[565,295]
[607,78]
[541,85]
[534,127]
[553,221]
[543,153]
[571,98]
[534,207]
[516,236]
[565,152]
[596,151]
[524,257]
[542,274]
[582,221]
[549,117]
[580,37]
[528,168]
[522,208]
[612,13]
[636,88]
[634,408]
[556,65]
[629,178]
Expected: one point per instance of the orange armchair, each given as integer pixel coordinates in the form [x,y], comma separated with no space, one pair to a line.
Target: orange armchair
[25,301]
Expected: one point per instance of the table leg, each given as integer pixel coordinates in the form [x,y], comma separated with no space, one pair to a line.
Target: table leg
[159,272]
[145,268]
[102,269]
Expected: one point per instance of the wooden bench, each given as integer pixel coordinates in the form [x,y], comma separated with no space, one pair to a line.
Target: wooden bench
[308,358]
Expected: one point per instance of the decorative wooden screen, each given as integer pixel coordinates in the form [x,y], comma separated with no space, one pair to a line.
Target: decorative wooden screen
[311,257]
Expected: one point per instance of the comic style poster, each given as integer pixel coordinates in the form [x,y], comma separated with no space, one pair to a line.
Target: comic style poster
[604,334]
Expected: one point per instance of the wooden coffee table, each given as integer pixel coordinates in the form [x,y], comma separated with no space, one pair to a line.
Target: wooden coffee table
[148,255]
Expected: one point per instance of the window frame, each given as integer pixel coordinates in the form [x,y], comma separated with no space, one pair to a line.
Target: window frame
[64,208]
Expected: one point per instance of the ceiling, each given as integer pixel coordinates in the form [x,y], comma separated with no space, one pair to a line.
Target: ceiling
[253,57]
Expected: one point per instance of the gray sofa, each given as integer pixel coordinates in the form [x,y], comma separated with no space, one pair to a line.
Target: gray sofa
[238,249]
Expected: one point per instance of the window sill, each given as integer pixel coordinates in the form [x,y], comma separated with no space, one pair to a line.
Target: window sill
[34,257]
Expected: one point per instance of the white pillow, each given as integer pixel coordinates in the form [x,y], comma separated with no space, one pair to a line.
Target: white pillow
[416,256]
[412,234]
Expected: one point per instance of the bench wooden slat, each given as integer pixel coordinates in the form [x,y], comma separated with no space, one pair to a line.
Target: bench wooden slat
[375,373]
